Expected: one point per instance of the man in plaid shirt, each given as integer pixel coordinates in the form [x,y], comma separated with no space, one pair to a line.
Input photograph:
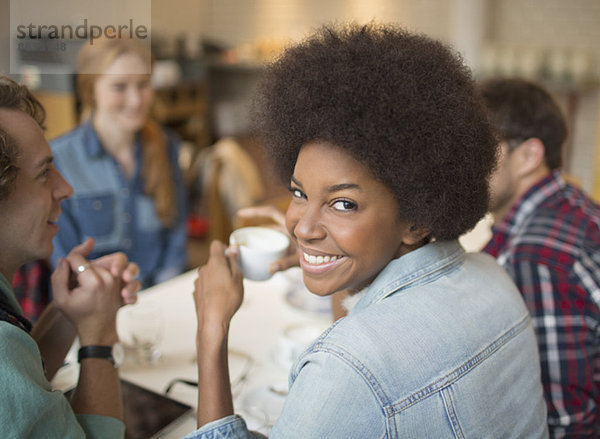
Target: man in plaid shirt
[546,234]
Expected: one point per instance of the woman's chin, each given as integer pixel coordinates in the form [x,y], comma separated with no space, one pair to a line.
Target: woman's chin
[132,124]
[320,288]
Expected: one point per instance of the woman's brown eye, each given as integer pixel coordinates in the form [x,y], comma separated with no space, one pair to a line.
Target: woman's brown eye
[296,193]
[344,205]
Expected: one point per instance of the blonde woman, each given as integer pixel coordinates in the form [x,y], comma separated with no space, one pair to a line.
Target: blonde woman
[129,194]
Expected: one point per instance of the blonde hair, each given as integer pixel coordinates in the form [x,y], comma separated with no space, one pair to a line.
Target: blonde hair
[92,61]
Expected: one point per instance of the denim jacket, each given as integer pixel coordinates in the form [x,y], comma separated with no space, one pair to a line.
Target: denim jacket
[440,346]
[115,210]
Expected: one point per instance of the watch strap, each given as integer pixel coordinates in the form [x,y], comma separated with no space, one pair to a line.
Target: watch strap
[95,351]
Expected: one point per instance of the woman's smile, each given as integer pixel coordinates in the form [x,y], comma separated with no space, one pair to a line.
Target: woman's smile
[318,263]
[344,221]
[320,260]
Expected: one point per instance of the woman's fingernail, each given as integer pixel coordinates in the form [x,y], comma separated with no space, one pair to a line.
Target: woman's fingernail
[232,250]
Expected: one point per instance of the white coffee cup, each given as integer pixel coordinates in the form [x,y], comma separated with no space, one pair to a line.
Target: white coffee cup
[259,248]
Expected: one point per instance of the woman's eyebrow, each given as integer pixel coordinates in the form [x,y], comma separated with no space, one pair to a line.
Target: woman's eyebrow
[332,188]
[342,186]
[295,181]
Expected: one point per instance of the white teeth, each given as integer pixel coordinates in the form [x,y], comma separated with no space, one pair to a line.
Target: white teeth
[318,260]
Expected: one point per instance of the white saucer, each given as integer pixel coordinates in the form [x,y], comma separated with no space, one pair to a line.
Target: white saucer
[261,406]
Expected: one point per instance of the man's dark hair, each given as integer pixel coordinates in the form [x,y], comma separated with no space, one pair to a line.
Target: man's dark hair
[402,104]
[17,97]
[521,110]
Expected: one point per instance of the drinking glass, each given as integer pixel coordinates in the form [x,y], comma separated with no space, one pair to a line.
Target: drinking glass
[143,329]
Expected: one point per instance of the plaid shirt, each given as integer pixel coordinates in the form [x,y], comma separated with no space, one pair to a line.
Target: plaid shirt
[31,285]
[550,245]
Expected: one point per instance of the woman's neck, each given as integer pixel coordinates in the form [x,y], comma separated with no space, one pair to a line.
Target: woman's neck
[117,142]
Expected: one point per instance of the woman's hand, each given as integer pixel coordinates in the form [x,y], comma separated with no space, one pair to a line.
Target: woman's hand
[292,258]
[218,292]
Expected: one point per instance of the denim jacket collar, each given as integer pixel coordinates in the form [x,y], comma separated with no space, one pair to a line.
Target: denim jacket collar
[92,143]
[422,265]
[94,147]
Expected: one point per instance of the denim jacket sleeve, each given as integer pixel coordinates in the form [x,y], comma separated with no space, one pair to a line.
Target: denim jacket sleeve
[330,396]
[174,261]
[230,427]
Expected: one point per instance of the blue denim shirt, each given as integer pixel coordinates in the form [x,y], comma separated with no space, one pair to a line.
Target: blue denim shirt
[114,210]
[440,346]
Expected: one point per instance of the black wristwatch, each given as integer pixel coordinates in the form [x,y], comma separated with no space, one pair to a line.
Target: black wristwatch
[115,353]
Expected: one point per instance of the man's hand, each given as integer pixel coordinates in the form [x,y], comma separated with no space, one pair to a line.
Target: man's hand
[89,293]
[118,265]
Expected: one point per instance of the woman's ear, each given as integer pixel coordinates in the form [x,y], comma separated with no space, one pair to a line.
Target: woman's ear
[415,235]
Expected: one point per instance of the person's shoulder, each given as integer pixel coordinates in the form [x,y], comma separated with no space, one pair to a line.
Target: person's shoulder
[567,221]
[481,265]
[484,260]
[67,141]
[345,338]
[11,334]
[569,201]
[581,206]
[17,348]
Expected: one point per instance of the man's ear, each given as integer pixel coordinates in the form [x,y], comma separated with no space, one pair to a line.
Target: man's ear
[531,157]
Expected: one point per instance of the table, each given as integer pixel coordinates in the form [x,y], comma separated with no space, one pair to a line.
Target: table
[258,374]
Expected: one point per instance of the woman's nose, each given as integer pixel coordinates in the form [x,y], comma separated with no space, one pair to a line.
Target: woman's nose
[134,96]
[308,225]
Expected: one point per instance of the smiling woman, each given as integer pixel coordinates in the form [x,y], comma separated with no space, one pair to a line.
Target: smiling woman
[387,152]
[129,193]
[344,221]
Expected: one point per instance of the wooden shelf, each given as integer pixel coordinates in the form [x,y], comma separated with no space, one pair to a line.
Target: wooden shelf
[184,108]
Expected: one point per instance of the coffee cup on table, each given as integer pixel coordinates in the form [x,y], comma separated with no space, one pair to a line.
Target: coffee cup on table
[259,248]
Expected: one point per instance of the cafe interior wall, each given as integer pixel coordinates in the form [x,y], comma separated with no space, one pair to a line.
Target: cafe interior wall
[548,25]
[562,26]
[470,25]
